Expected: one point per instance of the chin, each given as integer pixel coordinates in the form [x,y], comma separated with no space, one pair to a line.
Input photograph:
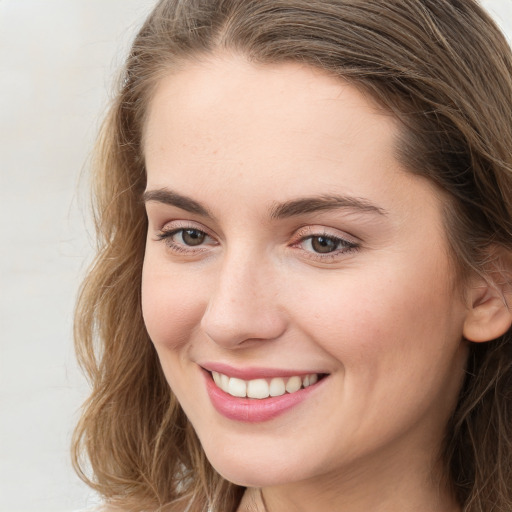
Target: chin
[257,470]
[254,475]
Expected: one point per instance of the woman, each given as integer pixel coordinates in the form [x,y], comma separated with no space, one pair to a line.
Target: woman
[301,296]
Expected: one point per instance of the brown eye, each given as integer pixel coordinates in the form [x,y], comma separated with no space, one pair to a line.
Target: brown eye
[189,240]
[192,237]
[323,244]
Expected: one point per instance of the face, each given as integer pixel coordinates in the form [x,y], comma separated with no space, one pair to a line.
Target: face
[290,258]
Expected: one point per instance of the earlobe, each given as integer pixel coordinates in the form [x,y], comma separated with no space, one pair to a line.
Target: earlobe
[490,312]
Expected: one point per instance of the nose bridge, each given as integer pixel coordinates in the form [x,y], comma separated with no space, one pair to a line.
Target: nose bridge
[244,301]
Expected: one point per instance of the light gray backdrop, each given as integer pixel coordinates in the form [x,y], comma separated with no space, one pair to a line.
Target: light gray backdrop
[58,59]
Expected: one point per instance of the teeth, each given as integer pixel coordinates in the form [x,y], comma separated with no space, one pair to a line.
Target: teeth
[262,388]
[277,387]
[237,387]
[224,382]
[258,388]
[293,384]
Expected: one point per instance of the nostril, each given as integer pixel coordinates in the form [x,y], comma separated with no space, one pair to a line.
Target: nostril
[232,326]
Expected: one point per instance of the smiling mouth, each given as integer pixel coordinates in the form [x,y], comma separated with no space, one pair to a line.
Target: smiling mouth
[264,388]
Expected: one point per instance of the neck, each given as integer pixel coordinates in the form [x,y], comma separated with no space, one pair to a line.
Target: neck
[258,500]
[360,493]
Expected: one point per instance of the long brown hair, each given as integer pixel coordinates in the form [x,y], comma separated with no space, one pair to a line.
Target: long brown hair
[445,71]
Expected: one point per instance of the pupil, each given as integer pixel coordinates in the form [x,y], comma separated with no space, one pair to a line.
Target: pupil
[323,245]
[193,237]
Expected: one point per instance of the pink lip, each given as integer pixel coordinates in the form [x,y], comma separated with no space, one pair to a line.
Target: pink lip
[254,372]
[252,410]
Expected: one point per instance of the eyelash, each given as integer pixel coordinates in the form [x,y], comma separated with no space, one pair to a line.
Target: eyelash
[303,236]
[342,245]
[166,235]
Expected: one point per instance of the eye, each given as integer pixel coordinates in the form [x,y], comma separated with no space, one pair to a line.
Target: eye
[323,246]
[186,239]
[191,237]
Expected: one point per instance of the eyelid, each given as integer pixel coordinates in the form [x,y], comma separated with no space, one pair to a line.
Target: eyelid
[308,232]
[171,228]
[177,224]
[318,230]
[347,242]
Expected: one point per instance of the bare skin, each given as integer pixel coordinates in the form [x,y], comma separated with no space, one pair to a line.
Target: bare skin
[254,501]
[239,271]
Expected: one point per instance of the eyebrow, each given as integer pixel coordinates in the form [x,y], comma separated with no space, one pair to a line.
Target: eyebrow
[171,198]
[320,203]
[287,209]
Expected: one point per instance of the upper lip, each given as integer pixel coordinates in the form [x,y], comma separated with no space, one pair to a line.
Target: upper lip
[254,372]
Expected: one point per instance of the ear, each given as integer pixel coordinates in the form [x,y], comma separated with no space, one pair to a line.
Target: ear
[490,304]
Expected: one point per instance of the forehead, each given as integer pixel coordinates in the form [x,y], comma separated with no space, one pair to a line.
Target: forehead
[227,114]
[238,92]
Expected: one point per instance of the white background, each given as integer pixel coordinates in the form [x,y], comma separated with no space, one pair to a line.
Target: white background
[58,59]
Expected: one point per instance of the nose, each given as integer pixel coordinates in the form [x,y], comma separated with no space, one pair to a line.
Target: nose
[244,304]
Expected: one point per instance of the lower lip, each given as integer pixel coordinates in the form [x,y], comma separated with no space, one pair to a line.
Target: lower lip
[253,410]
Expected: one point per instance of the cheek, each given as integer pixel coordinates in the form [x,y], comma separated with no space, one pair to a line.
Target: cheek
[172,309]
[385,322]
[397,345]
[172,306]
